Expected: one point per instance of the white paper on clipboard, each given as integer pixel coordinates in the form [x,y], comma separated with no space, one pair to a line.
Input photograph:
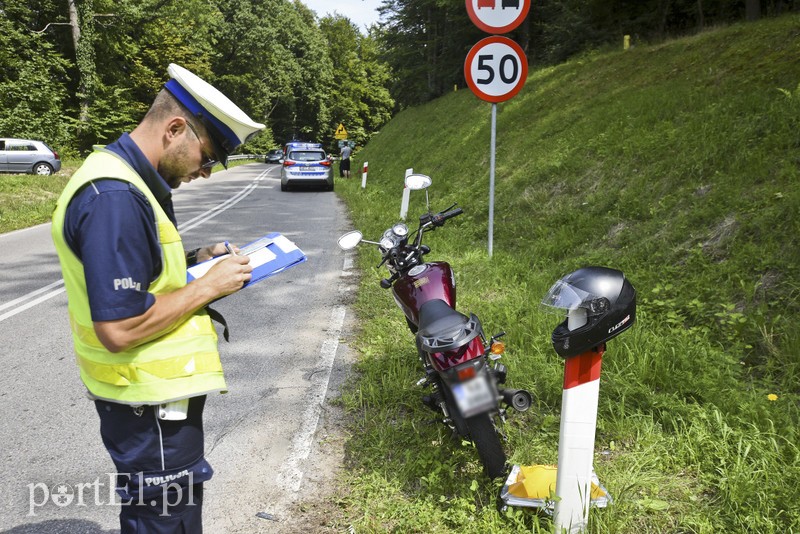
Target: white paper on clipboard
[269,255]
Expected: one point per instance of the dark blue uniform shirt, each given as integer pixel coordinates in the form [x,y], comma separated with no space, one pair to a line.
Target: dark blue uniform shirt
[111,227]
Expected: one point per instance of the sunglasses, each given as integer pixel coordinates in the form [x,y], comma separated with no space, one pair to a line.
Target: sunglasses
[208,162]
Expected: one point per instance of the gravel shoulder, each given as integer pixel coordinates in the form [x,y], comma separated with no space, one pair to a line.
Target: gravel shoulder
[316,509]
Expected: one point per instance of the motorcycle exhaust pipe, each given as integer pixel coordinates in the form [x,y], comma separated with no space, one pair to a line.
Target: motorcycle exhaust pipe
[519,399]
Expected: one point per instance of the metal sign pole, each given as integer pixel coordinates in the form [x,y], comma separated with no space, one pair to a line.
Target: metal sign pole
[491,178]
[490,56]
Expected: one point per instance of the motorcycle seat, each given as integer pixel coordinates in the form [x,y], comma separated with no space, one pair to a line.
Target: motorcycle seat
[442,328]
[436,316]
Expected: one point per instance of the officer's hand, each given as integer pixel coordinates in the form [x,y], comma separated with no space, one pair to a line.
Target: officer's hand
[212,251]
[229,275]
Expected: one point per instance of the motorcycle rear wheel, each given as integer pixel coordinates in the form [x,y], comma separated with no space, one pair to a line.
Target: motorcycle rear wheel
[487,441]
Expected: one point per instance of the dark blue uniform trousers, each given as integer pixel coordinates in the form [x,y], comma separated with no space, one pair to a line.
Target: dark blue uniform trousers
[160,467]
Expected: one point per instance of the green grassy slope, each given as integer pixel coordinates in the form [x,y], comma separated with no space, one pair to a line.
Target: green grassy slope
[677,163]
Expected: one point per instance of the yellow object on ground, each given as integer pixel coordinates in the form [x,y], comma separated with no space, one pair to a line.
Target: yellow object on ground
[535,482]
[535,486]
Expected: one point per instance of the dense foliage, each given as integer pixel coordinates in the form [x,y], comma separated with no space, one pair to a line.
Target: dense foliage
[79,72]
[425,41]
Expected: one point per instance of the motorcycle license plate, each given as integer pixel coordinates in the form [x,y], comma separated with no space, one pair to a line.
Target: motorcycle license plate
[473,396]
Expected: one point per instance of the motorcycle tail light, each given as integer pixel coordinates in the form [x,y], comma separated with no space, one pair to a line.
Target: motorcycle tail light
[466,373]
[465,353]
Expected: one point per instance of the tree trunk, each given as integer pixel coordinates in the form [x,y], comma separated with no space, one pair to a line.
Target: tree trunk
[73,22]
[663,6]
[701,20]
[431,51]
[524,33]
[752,9]
[81,18]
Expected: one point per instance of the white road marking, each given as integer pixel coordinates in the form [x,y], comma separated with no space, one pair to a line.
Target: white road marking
[348,264]
[33,294]
[33,303]
[291,476]
[25,301]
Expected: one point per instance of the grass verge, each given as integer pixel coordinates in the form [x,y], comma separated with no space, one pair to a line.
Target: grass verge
[677,163]
[27,200]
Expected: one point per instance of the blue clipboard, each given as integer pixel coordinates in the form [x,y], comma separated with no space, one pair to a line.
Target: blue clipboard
[269,255]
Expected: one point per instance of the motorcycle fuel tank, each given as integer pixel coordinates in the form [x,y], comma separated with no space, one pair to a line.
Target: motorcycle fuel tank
[422,283]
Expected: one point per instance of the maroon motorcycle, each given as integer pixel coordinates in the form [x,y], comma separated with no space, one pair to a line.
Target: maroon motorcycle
[462,372]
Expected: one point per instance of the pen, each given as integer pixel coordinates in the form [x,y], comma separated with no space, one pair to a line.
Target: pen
[230,249]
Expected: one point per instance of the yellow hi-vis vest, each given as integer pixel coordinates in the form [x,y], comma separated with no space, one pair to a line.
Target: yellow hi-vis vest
[182,363]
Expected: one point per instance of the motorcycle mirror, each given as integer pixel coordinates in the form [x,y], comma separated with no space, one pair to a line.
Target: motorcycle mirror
[350,240]
[415,182]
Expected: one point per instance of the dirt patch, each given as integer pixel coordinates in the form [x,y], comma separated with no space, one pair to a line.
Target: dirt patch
[720,235]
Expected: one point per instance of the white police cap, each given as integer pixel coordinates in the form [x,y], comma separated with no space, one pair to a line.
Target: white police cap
[227,125]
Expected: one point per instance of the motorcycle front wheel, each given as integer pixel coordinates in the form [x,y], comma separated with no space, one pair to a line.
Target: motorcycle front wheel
[487,441]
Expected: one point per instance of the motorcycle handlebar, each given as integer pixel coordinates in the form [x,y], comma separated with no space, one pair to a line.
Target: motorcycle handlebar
[450,214]
[440,218]
[415,250]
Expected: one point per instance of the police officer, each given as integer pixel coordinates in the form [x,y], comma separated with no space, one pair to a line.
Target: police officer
[145,344]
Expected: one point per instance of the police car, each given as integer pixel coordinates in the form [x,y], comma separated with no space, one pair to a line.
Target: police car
[306,164]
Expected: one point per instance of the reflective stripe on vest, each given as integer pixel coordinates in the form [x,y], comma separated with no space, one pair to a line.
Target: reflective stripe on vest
[180,364]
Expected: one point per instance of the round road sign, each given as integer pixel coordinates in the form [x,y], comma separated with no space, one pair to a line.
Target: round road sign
[496,69]
[497,16]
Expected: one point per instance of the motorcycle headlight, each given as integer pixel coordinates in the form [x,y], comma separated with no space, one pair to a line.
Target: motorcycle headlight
[400,229]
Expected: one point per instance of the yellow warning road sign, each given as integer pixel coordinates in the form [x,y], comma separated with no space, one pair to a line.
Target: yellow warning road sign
[341,133]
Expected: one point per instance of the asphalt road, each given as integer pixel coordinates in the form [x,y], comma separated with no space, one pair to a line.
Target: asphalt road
[283,360]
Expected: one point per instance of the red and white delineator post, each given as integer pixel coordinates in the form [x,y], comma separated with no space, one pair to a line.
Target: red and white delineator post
[576,440]
[406,196]
[364,176]
[572,487]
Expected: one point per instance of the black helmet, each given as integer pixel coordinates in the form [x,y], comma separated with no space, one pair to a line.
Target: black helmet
[600,304]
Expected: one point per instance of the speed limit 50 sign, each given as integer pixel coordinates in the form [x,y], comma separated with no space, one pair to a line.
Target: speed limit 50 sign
[496,69]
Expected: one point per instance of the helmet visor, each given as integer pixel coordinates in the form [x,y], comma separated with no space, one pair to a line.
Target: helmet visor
[565,296]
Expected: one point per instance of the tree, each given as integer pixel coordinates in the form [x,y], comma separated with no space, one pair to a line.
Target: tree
[272,58]
[425,43]
[32,94]
[134,41]
[360,98]
[136,46]
[81,18]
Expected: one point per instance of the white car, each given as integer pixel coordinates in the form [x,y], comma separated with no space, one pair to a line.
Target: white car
[28,156]
[306,164]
